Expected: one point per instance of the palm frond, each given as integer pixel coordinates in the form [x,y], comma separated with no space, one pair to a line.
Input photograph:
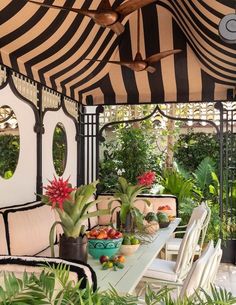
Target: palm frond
[203,173]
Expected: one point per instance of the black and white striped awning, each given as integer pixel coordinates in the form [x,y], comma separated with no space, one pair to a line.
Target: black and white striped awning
[49,46]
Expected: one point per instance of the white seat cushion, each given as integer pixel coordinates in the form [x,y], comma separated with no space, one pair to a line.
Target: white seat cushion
[163,270]
[47,252]
[29,228]
[173,244]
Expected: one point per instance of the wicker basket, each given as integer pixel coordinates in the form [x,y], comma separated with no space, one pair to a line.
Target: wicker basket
[151,227]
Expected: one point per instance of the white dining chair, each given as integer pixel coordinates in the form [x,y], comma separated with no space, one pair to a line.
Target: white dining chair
[203,272]
[194,278]
[172,273]
[212,267]
[202,213]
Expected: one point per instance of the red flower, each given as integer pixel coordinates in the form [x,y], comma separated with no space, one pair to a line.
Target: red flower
[58,191]
[147,178]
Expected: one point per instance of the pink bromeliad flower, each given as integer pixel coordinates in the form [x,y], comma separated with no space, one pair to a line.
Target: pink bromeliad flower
[58,191]
[147,178]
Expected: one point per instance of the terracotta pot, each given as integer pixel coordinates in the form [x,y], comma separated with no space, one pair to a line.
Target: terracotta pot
[127,226]
[73,248]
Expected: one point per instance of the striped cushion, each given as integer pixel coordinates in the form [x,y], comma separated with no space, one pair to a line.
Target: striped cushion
[19,264]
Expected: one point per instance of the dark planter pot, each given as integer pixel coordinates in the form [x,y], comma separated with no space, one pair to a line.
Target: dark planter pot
[127,226]
[73,248]
[229,251]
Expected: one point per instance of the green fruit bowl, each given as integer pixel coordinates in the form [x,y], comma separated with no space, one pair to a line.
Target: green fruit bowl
[107,247]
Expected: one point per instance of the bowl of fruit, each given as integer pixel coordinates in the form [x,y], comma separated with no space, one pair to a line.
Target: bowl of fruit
[163,220]
[104,241]
[129,245]
[165,209]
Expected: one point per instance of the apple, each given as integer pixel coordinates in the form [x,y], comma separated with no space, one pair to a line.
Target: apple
[118,235]
[104,259]
[111,233]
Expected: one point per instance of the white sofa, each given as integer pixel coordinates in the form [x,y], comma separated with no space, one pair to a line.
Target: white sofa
[24,235]
[24,229]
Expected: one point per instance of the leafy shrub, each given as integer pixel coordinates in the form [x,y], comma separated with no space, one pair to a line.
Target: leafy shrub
[131,154]
[59,149]
[190,149]
[9,154]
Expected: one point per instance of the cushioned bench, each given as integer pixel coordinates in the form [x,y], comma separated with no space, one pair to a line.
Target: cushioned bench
[18,265]
[24,229]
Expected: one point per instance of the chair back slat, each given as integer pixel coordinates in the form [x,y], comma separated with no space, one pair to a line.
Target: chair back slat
[199,213]
[195,276]
[212,267]
[187,249]
[203,272]
[205,225]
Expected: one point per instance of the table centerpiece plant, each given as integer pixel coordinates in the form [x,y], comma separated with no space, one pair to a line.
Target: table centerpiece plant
[73,207]
[126,194]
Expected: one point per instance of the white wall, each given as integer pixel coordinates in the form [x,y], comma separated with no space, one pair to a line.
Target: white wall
[50,121]
[21,187]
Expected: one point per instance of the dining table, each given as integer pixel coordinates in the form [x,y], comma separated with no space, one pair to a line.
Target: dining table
[125,280]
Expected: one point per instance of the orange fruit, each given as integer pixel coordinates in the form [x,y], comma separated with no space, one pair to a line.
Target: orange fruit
[121,258]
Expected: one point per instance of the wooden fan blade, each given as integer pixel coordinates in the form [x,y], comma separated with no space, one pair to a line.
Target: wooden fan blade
[117,27]
[83,12]
[157,57]
[109,61]
[128,64]
[132,5]
[151,69]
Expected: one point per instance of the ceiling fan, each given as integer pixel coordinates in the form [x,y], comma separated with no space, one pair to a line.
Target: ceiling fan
[139,64]
[105,15]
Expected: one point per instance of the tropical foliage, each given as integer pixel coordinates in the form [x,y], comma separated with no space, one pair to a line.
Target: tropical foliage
[54,287]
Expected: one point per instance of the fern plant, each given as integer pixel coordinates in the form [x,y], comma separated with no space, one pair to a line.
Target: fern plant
[54,287]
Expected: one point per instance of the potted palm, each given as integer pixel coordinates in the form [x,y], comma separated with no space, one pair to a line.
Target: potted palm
[72,206]
[126,194]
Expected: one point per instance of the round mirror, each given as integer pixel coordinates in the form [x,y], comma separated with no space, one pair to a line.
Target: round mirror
[59,149]
[9,142]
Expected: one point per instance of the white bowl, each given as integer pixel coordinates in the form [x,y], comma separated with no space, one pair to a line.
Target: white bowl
[129,249]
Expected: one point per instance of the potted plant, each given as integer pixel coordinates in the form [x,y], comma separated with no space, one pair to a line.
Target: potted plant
[72,206]
[126,194]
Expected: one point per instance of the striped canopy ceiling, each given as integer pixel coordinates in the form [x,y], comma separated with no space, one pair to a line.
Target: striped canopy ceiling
[49,45]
